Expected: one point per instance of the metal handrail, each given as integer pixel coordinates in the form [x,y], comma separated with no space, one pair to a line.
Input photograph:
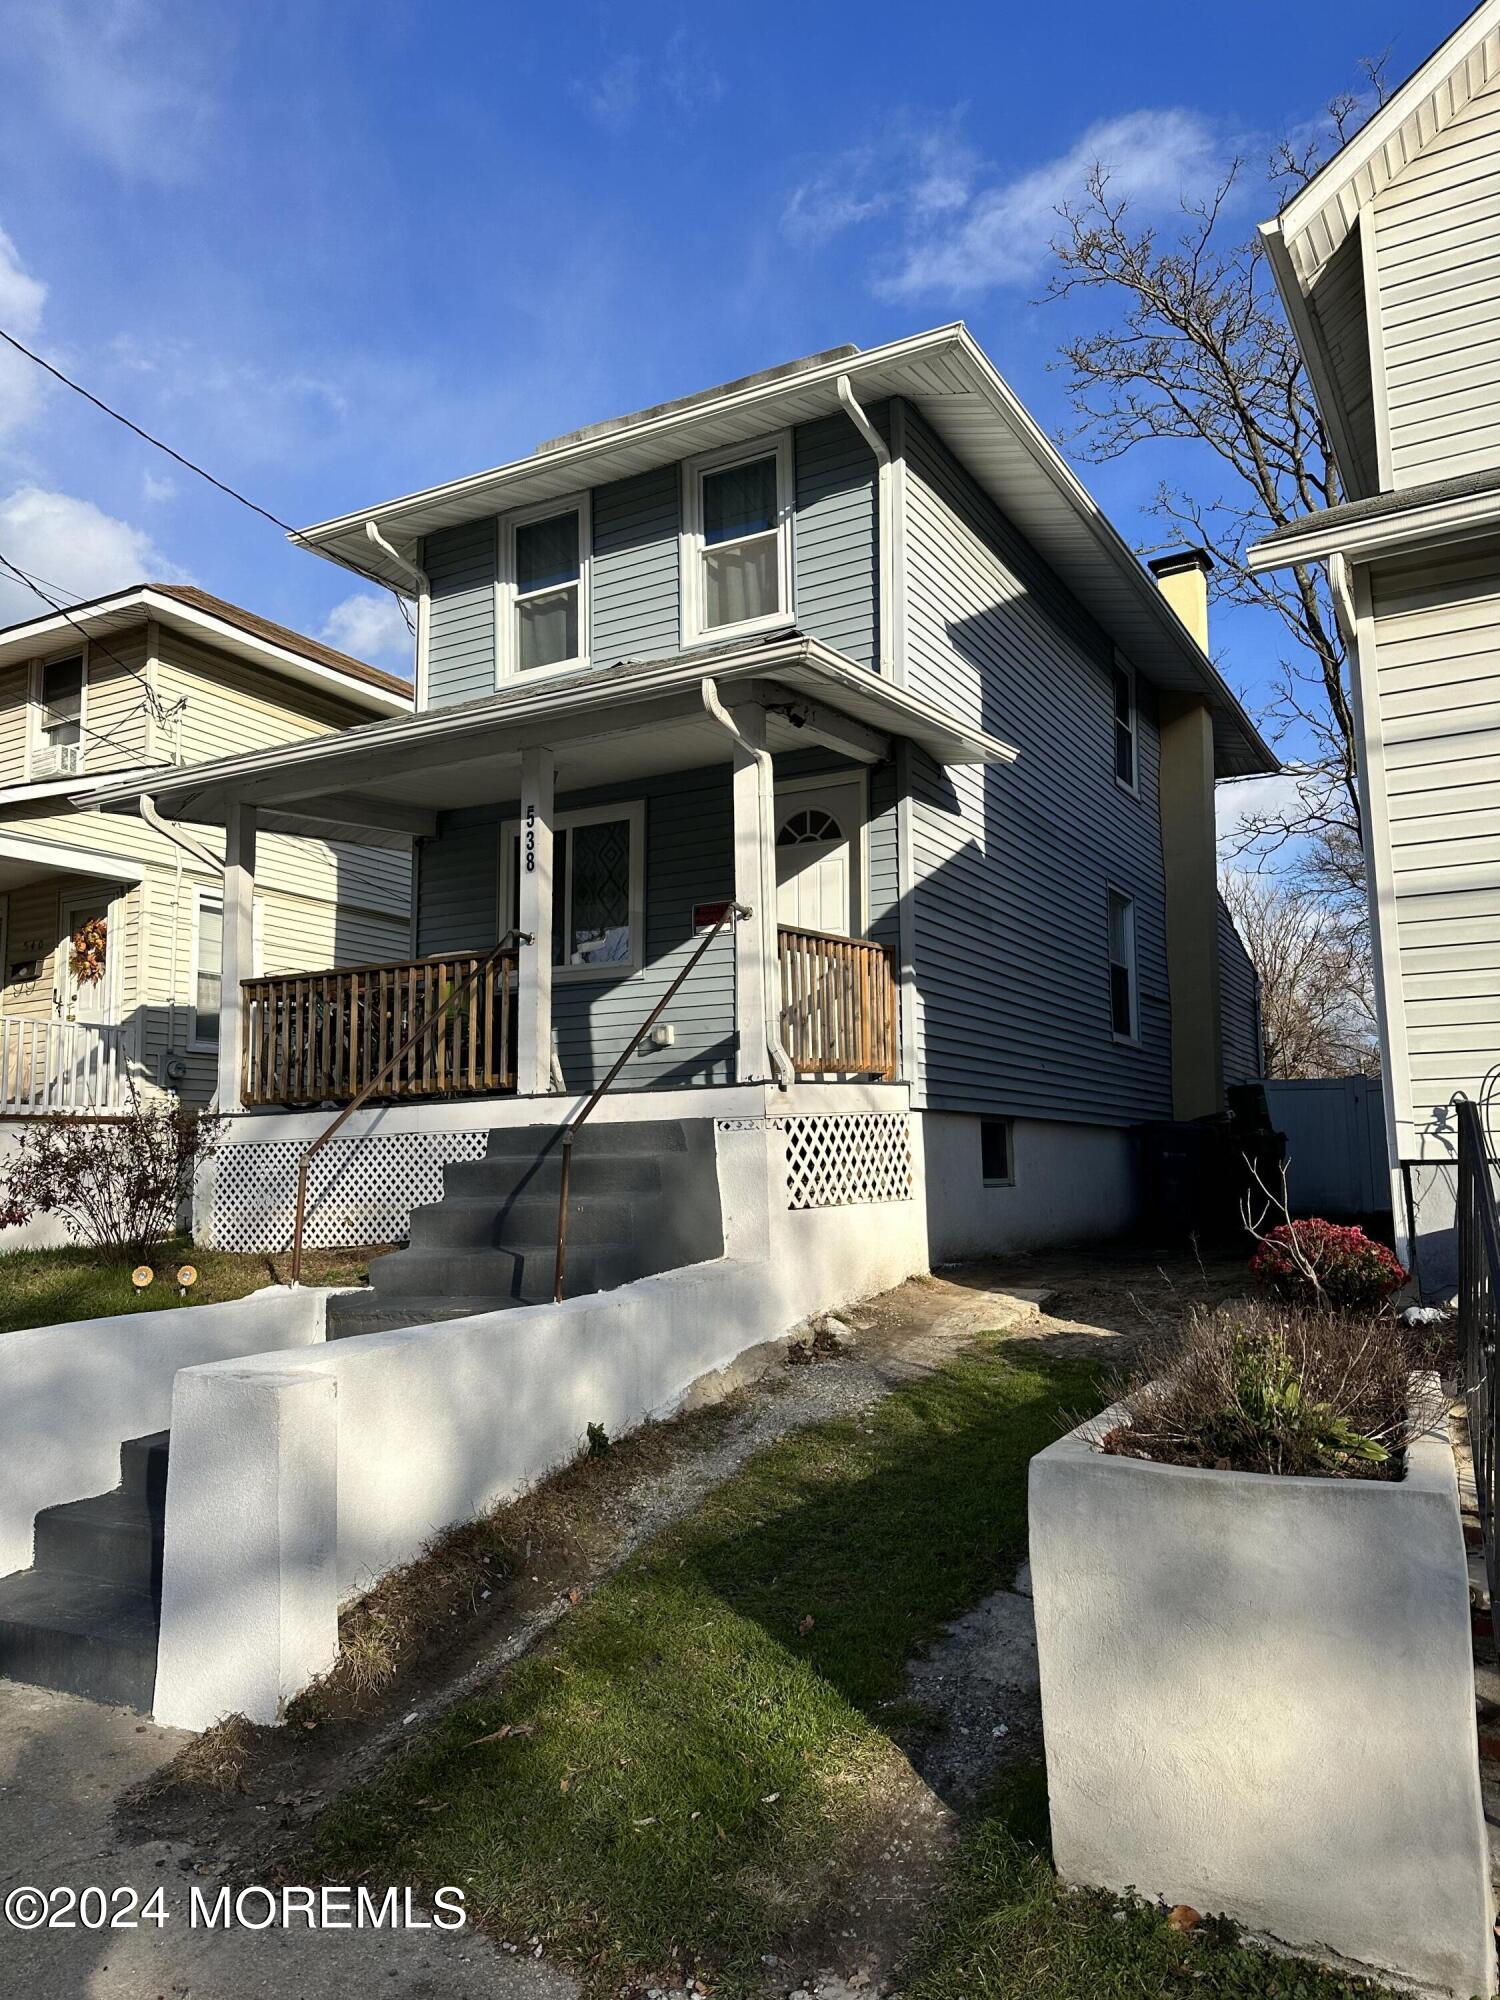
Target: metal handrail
[1479,1316]
[428,1021]
[737,911]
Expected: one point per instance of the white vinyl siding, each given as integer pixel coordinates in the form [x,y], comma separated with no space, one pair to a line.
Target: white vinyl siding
[1437,247]
[1436,625]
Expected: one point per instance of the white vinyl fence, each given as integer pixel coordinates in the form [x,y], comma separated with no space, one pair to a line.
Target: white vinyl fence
[62,1066]
[1335,1144]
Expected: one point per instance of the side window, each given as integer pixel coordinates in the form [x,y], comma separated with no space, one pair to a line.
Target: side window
[208,959]
[1125,725]
[737,566]
[57,748]
[1124,1011]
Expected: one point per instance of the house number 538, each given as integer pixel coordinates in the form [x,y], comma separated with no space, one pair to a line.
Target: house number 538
[531,840]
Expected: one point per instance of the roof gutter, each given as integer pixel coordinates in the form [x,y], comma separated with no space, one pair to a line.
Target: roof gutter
[885,522]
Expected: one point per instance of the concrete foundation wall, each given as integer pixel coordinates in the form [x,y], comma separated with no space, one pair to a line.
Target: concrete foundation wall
[1069,1183]
[70,1395]
[1258,1697]
[1431,1188]
[429,1426]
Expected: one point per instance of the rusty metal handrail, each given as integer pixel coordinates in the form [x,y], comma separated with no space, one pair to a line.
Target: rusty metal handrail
[503,949]
[570,1130]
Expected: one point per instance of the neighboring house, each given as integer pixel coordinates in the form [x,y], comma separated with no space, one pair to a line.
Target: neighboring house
[141,682]
[847,645]
[1388,264]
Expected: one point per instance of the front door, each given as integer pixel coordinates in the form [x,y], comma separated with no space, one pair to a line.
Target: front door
[83,999]
[818,848]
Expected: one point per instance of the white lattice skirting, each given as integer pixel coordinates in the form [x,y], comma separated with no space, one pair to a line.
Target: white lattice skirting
[359,1190]
[862,1156]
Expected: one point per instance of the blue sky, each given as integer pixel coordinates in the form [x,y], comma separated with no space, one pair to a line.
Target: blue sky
[339,249]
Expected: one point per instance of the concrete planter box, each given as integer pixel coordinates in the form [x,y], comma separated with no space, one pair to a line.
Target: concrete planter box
[1258,1698]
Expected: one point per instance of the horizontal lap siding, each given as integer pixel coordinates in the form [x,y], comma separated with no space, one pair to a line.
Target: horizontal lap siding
[15,710]
[1240,1002]
[634,608]
[1438,255]
[835,538]
[461,565]
[1437,634]
[116,724]
[689,859]
[1013,864]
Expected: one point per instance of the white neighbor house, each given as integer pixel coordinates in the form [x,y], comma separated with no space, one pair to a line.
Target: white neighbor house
[1389,263]
[143,682]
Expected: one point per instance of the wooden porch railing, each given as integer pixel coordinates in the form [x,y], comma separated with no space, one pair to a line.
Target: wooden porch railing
[838,1004]
[62,1066]
[315,1037]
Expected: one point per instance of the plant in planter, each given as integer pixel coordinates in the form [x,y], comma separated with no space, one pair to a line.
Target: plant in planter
[1325,1263]
[1251,1598]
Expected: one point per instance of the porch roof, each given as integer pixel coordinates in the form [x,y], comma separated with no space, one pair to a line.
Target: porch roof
[384,782]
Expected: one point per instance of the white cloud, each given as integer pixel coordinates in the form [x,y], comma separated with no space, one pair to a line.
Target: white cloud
[157,489]
[613,95]
[371,628]
[690,79]
[1243,803]
[1001,234]
[74,547]
[22,297]
[124,79]
[917,170]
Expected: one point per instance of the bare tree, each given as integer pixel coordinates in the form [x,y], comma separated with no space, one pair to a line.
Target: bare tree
[1202,353]
[1316,1002]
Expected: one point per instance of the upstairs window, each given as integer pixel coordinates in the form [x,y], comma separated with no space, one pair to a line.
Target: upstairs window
[737,569]
[1124,687]
[59,736]
[545,572]
[1124,1015]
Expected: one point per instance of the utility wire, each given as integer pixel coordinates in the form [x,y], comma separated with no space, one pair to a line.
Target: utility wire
[188,464]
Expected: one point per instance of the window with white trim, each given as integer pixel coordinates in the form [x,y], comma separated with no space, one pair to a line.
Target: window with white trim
[598,890]
[208,963]
[737,540]
[59,716]
[1124,1008]
[544,569]
[1125,730]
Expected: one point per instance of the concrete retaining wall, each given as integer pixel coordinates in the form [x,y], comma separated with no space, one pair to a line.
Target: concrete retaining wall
[70,1395]
[1258,1697]
[298,1478]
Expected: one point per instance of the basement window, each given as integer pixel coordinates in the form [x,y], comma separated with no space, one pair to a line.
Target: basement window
[995,1164]
[737,541]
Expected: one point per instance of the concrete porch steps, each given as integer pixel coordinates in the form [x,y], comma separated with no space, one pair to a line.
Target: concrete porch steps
[83,1619]
[643,1197]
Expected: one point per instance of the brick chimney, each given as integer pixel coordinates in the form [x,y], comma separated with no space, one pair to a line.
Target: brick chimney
[1182,578]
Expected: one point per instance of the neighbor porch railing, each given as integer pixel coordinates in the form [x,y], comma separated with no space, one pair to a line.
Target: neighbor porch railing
[838,1004]
[1479,1314]
[320,1037]
[62,1066]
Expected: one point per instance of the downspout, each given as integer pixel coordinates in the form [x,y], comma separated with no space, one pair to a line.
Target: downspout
[883,520]
[167,831]
[421,584]
[781,1062]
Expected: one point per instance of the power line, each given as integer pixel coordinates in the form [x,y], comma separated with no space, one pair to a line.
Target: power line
[188,464]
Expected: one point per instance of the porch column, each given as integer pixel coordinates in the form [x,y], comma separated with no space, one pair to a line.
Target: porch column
[754,888]
[534,984]
[239,934]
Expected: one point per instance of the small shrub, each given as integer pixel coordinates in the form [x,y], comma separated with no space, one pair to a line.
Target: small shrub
[599,1445]
[116,1184]
[1265,1388]
[1322,1263]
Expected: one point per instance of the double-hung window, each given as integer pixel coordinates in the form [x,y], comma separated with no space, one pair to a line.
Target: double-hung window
[737,541]
[59,732]
[1125,732]
[544,568]
[208,960]
[1124,999]
[598,883]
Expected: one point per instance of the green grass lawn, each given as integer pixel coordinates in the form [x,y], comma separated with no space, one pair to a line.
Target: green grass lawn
[1006,1930]
[665,1787]
[45,1287]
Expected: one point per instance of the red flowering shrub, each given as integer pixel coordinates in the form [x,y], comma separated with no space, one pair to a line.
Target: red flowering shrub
[1317,1262]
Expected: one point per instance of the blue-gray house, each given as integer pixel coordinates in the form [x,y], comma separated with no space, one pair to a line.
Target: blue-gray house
[832,685]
